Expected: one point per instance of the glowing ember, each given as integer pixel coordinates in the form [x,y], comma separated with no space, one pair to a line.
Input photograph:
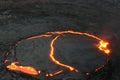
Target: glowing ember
[102,46]
[25,69]
[5,61]
[55,73]
[87,73]
[97,69]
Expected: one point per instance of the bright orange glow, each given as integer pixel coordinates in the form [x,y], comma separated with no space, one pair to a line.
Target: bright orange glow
[25,69]
[103,46]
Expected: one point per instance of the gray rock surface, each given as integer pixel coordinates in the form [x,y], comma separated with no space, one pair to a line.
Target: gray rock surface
[24,18]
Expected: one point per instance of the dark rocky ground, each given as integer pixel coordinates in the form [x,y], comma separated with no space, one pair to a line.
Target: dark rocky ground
[24,18]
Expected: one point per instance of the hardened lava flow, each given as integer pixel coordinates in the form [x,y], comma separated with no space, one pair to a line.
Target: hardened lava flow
[102,46]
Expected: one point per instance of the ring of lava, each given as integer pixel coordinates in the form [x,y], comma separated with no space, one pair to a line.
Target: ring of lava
[102,46]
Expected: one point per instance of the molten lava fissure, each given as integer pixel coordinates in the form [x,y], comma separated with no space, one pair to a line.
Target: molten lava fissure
[102,46]
[55,73]
[56,61]
[24,69]
[39,36]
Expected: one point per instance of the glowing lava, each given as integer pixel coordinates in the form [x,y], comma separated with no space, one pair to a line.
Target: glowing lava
[74,32]
[97,69]
[24,69]
[55,60]
[102,46]
[55,73]
[39,36]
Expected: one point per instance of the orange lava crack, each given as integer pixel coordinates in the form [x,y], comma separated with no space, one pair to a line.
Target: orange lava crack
[55,60]
[25,69]
[55,73]
[102,46]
